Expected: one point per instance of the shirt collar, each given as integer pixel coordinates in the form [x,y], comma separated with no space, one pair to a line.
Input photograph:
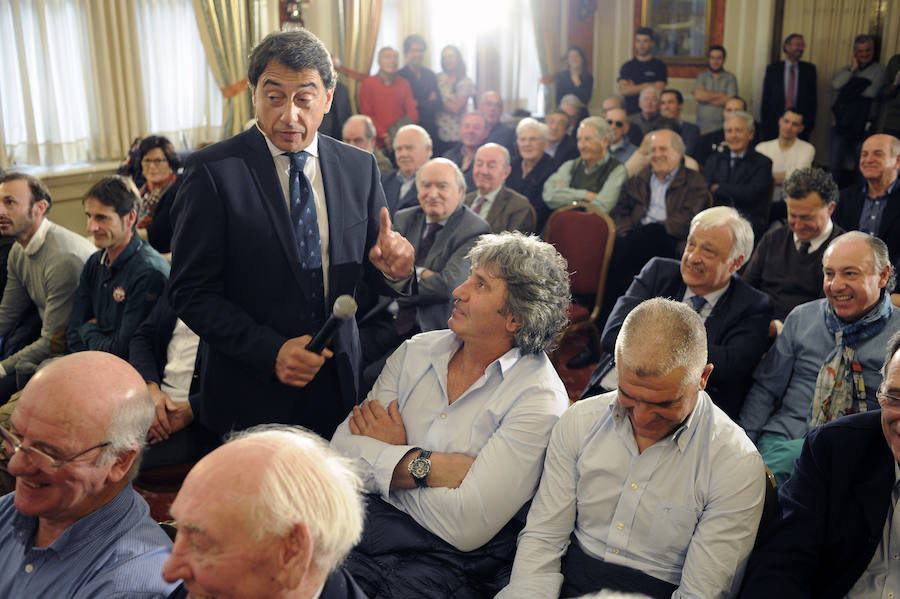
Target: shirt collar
[37,240]
[312,148]
[668,178]
[711,297]
[816,242]
[887,192]
[95,525]
[131,249]
[682,434]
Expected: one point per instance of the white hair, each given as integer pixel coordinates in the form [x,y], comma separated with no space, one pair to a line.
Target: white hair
[305,481]
[530,123]
[741,230]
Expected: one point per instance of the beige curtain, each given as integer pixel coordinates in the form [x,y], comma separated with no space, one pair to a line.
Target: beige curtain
[118,93]
[359,33]
[549,31]
[829,26]
[225,31]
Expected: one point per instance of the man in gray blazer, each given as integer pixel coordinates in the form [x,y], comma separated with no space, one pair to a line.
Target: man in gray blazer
[503,208]
[442,230]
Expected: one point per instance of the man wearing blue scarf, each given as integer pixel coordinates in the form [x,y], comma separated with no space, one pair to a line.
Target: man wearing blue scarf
[825,364]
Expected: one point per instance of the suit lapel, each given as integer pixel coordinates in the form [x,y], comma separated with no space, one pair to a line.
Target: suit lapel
[440,247]
[891,212]
[262,169]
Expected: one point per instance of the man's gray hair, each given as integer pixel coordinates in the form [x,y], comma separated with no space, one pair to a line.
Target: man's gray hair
[804,181]
[129,420]
[648,91]
[424,138]
[661,335]
[368,126]
[503,151]
[600,126]
[530,123]
[744,116]
[572,100]
[306,481]
[460,178]
[741,230]
[880,255]
[676,142]
[537,285]
[298,50]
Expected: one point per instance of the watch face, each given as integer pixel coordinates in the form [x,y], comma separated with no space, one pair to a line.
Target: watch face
[419,468]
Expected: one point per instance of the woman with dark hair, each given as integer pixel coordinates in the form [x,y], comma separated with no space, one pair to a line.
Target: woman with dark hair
[575,78]
[159,165]
[456,89]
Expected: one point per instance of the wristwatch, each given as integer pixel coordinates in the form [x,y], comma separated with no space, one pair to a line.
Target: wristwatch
[420,467]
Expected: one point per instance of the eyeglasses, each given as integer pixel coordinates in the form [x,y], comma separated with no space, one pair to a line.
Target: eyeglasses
[153,161]
[618,124]
[888,402]
[12,444]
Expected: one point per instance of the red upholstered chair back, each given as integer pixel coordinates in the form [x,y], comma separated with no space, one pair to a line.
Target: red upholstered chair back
[584,236]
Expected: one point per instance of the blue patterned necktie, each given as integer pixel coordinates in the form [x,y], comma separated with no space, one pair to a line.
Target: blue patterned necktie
[697,302]
[303,213]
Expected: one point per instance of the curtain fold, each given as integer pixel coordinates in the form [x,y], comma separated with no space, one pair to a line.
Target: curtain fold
[224,30]
[359,33]
[549,31]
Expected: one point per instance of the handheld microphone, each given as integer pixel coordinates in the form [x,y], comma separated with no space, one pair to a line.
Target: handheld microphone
[344,309]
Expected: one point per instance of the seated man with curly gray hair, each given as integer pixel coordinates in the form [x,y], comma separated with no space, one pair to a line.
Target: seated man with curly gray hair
[451,440]
[650,488]
[272,513]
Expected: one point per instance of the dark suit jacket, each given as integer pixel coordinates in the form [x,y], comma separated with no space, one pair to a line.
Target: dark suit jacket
[849,209]
[150,343]
[391,183]
[690,135]
[747,187]
[773,98]
[338,585]
[434,295]
[736,330]
[237,283]
[567,150]
[510,211]
[831,514]
[503,135]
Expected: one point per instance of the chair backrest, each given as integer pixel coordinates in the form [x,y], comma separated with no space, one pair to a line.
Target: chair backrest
[584,236]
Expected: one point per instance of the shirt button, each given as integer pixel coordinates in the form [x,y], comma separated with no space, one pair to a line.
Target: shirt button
[634,486]
[620,526]
[443,416]
[29,568]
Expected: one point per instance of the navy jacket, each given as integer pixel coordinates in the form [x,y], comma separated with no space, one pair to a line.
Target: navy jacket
[391,183]
[831,514]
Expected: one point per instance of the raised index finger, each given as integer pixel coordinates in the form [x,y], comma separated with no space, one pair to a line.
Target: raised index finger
[385,224]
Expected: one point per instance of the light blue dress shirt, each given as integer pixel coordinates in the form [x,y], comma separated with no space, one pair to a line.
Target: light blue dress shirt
[503,420]
[790,368]
[685,510]
[656,211]
[116,552]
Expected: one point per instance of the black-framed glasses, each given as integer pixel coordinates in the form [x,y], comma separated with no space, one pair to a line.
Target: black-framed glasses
[618,124]
[12,444]
[887,401]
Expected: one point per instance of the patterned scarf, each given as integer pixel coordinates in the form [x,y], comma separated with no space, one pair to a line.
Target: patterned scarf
[149,201]
[840,389]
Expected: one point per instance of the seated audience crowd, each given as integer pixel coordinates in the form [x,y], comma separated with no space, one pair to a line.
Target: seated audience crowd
[739,435]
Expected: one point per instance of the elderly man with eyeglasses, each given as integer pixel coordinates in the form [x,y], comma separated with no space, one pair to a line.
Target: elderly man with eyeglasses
[837,533]
[75,527]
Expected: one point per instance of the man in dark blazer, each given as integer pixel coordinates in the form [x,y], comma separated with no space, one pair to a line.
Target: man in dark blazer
[503,208]
[777,83]
[829,535]
[740,176]
[301,513]
[242,279]
[442,231]
[412,149]
[736,316]
[879,164]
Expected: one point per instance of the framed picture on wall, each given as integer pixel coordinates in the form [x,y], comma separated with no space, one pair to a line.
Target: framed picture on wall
[684,30]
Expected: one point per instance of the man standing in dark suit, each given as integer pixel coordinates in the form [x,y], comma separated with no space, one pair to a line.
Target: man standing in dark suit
[789,83]
[740,176]
[412,149]
[735,315]
[874,206]
[442,231]
[272,225]
[836,530]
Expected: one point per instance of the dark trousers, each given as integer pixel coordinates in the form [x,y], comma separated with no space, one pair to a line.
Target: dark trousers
[583,574]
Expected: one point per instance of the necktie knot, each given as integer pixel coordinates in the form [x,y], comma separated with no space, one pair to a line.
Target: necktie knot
[804,247]
[697,302]
[298,159]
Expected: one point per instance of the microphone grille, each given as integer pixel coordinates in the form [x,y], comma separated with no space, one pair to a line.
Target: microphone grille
[344,307]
